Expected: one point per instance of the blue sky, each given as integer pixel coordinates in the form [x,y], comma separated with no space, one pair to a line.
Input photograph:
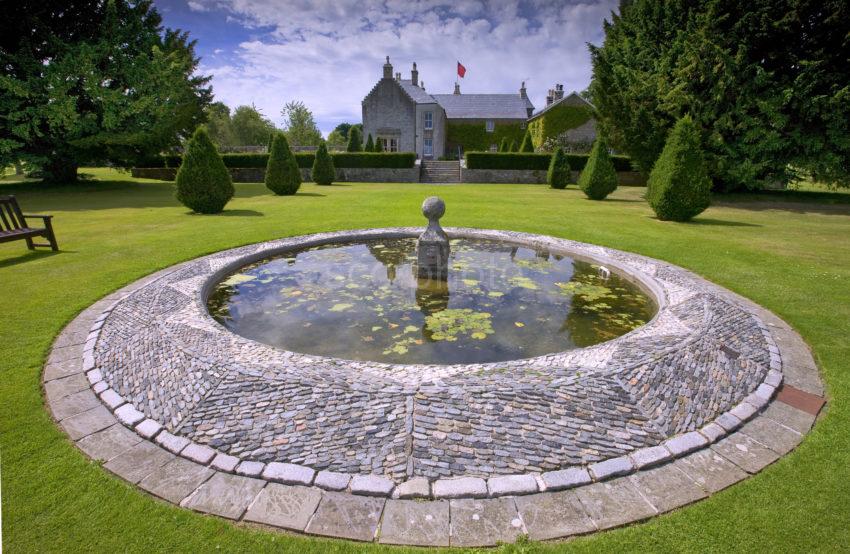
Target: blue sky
[329,53]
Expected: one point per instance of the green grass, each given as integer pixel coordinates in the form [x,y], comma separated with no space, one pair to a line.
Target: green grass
[788,251]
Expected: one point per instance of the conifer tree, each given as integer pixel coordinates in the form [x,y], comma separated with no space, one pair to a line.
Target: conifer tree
[323,166]
[355,140]
[282,174]
[503,146]
[560,172]
[370,144]
[513,147]
[527,143]
[203,182]
[598,178]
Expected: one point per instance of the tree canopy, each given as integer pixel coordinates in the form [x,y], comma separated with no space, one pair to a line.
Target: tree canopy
[765,82]
[94,81]
[250,127]
[299,125]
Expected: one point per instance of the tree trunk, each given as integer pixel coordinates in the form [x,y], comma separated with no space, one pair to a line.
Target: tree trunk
[60,171]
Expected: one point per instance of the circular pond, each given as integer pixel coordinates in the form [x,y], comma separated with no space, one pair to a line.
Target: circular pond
[363,301]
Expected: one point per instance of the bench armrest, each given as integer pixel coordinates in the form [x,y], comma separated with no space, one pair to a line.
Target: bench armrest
[25,216]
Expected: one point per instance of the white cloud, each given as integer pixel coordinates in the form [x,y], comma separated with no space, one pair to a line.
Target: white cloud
[329,54]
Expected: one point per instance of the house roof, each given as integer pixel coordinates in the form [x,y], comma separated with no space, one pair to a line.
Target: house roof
[572,97]
[417,94]
[484,106]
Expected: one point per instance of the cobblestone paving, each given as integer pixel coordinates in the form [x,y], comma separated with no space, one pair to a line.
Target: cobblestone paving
[701,356]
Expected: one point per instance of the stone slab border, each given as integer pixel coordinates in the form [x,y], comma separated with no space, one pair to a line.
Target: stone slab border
[466,511]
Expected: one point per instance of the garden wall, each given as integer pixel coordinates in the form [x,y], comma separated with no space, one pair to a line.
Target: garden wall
[257,175]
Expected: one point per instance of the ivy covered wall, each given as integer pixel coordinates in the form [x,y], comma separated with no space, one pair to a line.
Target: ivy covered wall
[556,120]
[473,137]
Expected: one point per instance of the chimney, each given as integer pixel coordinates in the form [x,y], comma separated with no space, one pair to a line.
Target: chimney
[550,97]
[414,76]
[559,92]
[398,76]
[522,92]
[457,88]
[388,69]
[422,84]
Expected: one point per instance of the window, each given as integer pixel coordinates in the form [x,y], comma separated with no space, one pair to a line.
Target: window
[429,147]
[494,148]
[491,125]
[429,120]
[389,144]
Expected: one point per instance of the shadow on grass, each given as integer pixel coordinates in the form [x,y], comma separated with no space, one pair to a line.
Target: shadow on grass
[797,201]
[30,256]
[229,213]
[720,222]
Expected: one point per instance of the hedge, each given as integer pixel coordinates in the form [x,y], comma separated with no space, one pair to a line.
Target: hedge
[393,160]
[523,160]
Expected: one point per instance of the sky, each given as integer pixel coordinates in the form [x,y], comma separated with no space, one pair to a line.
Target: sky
[329,53]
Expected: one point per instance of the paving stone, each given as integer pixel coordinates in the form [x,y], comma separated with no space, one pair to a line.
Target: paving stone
[99,387]
[648,457]
[139,462]
[54,390]
[461,487]
[65,353]
[347,516]
[566,478]
[250,469]
[683,444]
[225,462]
[511,484]
[371,485]
[225,495]
[418,487]
[285,506]
[112,398]
[62,369]
[415,523]
[710,470]
[148,428]
[614,503]
[667,488]
[129,415]
[552,515]
[109,443]
[94,376]
[176,480]
[765,391]
[778,438]
[713,432]
[728,422]
[88,361]
[800,399]
[74,404]
[757,401]
[743,411]
[774,378]
[611,468]
[288,474]
[745,452]
[88,422]
[484,522]
[170,442]
[198,453]
[790,417]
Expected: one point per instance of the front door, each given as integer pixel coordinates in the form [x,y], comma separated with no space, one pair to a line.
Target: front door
[428,148]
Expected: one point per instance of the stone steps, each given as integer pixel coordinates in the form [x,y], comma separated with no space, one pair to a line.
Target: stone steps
[440,172]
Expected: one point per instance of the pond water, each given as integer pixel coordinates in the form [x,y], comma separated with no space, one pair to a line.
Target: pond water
[362,301]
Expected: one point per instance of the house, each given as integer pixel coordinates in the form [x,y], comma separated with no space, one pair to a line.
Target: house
[568,120]
[405,118]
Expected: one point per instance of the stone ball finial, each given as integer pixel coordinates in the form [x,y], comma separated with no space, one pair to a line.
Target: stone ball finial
[433,208]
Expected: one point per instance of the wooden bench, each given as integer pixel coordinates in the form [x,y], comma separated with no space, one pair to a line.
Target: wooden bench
[13,225]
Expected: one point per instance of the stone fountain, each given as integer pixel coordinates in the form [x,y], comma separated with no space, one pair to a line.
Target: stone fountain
[432,247]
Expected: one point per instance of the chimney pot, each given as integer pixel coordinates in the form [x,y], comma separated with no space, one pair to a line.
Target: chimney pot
[522,92]
[457,88]
[414,76]
[388,69]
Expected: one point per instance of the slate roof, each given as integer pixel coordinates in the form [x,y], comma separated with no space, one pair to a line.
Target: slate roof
[418,95]
[484,106]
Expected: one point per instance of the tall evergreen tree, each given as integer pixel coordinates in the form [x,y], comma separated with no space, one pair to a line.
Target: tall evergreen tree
[678,187]
[203,182]
[513,147]
[766,82]
[560,172]
[91,82]
[323,172]
[379,145]
[355,140]
[370,144]
[282,174]
[503,146]
[598,179]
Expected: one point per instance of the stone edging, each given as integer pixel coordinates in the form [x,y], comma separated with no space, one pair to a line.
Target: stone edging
[94,428]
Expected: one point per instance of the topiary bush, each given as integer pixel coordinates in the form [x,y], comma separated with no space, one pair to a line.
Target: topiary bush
[679,187]
[282,174]
[379,145]
[203,182]
[599,178]
[513,147]
[560,172]
[503,146]
[323,166]
[370,144]
[355,140]
[527,143]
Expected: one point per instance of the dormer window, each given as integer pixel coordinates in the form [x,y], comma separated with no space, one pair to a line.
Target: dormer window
[491,126]
[429,120]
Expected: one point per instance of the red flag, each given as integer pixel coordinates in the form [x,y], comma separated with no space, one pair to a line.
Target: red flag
[461,71]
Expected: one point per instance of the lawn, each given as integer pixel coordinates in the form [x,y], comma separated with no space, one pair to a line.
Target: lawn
[788,251]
